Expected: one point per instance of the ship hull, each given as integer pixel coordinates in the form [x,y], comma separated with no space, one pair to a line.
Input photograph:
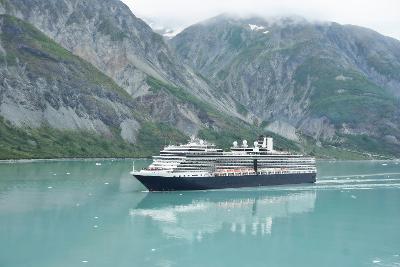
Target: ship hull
[161,183]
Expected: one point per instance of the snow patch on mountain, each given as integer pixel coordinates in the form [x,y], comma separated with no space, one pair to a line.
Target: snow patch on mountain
[254,27]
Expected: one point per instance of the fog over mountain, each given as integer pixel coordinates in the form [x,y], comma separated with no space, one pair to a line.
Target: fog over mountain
[382,16]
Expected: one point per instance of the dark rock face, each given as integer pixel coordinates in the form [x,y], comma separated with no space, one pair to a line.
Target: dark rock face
[332,82]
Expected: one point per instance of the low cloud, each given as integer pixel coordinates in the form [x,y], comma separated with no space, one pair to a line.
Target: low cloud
[382,16]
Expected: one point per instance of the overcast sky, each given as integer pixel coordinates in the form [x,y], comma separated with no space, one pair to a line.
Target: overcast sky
[380,15]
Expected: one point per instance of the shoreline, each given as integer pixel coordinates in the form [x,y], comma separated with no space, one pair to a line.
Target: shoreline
[5,161]
[8,161]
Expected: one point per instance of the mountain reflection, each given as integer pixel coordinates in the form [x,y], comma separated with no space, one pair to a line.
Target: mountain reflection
[191,215]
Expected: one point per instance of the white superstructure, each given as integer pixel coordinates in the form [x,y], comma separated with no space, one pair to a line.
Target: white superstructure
[199,158]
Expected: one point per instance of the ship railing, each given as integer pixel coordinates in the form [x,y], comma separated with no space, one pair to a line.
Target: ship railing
[262,172]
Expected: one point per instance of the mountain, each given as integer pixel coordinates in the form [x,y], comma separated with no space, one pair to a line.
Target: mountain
[88,78]
[54,103]
[163,99]
[57,100]
[334,85]
[122,46]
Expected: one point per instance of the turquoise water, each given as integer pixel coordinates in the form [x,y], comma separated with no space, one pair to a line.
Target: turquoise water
[77,213]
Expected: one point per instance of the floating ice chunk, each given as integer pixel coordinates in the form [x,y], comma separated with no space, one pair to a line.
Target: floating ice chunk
[265,32]
[85,261]
[68,173]
[95,226]
[384,164]
[153,249]
[199,236]
[181,194]
[396,255]
[353,196]
[98,164]
[54,173]
[106,183]
[49,187]
[96,217]
[376,261]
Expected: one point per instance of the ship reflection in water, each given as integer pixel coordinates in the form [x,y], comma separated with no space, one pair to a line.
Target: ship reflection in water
[192,215]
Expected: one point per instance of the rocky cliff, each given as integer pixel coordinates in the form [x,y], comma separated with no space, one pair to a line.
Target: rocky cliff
[43,84]
[54,103]
[106,34]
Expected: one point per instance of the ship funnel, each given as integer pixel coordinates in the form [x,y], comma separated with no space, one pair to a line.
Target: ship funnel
[244,143]
[264,144]
[235,143]
[270,144]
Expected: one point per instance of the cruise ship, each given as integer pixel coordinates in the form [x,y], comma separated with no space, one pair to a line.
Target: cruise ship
[200,165]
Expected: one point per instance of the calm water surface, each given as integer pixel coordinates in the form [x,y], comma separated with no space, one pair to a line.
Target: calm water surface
[79,213]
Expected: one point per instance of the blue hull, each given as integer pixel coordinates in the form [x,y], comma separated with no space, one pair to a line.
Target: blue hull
[159,183]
